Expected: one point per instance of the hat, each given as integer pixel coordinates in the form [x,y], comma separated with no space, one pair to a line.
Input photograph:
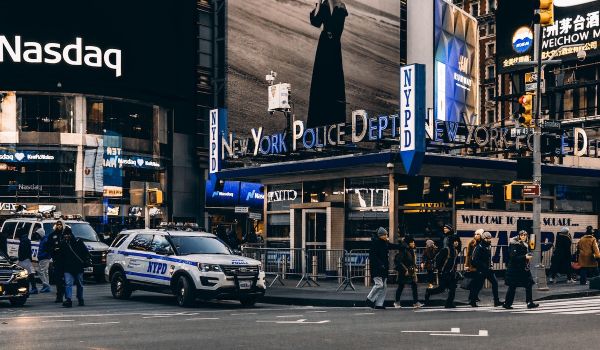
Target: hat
[429,243]
[381,232]
[479,231]
[564,229]
[486,235]
[408,239]
[449,227]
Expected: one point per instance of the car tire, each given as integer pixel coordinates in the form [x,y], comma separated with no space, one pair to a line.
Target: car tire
[248,301]
[184,292]
[17,301]
[119,286]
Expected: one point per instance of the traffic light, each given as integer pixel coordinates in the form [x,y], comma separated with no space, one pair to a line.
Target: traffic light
[545,12]
[525,109]
[155,196]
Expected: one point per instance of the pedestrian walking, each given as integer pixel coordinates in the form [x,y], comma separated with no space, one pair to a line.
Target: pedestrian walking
[518,273]
[587,253]
[74,258]
[448,233]
[25,257]
[44,259]
[406,265]
[481,261]
[380,266]
[53,248]
[561,256]
[445,262]
[428,263]
[471,247]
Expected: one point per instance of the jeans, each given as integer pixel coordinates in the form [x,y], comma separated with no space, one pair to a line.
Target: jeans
[584,272]
[490,276]
[377,294]
[447,281]
[413,286]
[69,280]
[510,295]
[44,265]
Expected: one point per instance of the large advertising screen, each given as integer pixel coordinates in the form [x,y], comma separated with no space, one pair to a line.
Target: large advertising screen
[338,56]
[138,49]
[576,28]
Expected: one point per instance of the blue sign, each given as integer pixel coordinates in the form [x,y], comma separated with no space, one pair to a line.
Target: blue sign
[252,195]
[412,117]
[27,156]
[522,40]
[228,196]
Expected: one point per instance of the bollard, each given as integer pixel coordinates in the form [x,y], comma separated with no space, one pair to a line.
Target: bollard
[340,270]
[314,267]
[284,264]
[367,273]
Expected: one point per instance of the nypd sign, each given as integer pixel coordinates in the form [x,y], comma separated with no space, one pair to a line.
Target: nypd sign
[412,117]
[217,121]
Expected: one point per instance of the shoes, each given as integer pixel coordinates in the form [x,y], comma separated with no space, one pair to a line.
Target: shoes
[397,305]
[450,306]
[417,305]
[552,280]
[532,305]
[473,303]
[80,302]
[498,303]
[507,307]
[33,291]
[67,303]
[45,289]
[477,300]
[58,300]
[369,303]
[379,307]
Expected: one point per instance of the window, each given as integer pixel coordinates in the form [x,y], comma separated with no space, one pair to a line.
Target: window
[491,6]
[490,49]
[185,245]
[482,30]
[123,118]
[119,240]
[35,236]
[22,227]
[475,9]
[278,226]
[8,229]
[490,94]
[43,113]
[490,72]
[160,245]
[141,242]
[491,116]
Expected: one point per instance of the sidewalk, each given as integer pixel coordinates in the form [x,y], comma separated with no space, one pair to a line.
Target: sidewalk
[326,294]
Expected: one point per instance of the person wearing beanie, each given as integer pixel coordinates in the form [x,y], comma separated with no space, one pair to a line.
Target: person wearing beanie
[561,256]
[428,261]
[406,265]
[518,271]
[380,265]
[448,231]
[470,248]
[587,253]
[482,263]
[445,263]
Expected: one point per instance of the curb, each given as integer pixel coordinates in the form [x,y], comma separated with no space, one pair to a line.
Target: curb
[588,293]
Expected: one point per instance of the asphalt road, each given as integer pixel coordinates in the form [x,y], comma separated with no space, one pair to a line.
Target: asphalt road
[152,321]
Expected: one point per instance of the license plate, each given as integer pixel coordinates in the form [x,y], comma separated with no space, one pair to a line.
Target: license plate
[88,270]
[245,284]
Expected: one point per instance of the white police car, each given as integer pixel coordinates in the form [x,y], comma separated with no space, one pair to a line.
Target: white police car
[189,265]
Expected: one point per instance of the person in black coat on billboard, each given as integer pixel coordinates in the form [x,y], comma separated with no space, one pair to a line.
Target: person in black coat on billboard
[481,260]
[445,262]
[327,103]
[380,266]
[518,273]
[561,256]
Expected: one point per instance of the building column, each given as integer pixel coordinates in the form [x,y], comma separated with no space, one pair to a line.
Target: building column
[392,203]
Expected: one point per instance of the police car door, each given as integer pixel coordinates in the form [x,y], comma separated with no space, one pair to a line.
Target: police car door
[12,244]
[35,240]
[138,257]
[159,267]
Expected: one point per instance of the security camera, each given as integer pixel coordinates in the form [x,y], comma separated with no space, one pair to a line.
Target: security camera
[270,78]
[581,55]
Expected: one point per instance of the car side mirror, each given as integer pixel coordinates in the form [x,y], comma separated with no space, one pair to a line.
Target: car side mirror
[237,252]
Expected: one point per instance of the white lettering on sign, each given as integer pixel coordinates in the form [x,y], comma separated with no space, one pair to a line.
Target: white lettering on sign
[372,199]
[407,108]
[75,54]
[8,206]
[282,196]
[214,157]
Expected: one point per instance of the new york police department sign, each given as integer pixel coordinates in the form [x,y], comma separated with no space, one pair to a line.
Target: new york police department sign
[412,117]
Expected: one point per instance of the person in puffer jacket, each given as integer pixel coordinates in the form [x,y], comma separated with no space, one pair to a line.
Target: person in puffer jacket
[518,272]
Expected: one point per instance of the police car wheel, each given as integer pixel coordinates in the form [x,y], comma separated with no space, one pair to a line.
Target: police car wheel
[183,292]
[17,301]
[119,286]
[248,301]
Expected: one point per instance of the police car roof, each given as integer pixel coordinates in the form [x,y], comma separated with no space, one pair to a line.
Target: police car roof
[169,232]
[45,221]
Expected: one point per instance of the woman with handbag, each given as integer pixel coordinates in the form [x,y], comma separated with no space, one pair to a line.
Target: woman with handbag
[482,262]
[406,265]
[587,253]
[74,258]
[518,273]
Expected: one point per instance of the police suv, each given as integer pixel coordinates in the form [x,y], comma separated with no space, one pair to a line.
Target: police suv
[81,229]
[188,264]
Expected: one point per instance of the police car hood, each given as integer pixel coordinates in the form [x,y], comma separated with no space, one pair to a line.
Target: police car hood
[221,259]
[94,246]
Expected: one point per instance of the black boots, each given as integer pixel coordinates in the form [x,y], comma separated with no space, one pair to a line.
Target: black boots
[532,305]
[67,303]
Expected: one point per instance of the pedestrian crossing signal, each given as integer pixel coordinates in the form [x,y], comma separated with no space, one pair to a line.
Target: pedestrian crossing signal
[545,12]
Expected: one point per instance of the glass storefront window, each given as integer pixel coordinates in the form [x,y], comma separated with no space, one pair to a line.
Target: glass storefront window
[368,194]
[324,191]
[45,113]
[126,119]
[278,226]
[280,197]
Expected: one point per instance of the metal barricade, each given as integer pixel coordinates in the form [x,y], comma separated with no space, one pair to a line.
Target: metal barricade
[323,264]
[357,266]
[278,262]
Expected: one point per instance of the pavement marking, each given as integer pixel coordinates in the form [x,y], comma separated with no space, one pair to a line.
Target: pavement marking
[58,321]
[98,323]
[364,313]
[244,314]
[284,316]
[316,312]
[482,333]
[202,318]
[300,321]
[452,330]
[158,316]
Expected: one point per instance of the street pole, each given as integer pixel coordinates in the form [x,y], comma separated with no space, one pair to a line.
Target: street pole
[540,269]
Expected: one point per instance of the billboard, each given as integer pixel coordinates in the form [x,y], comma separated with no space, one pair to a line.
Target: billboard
[446,41]
[576,28]
[337,57]
[138,49]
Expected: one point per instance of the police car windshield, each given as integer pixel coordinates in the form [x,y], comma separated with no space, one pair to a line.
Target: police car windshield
[80,230]
[185,245]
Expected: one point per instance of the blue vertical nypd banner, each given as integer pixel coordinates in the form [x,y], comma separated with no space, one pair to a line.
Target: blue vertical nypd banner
[412,117]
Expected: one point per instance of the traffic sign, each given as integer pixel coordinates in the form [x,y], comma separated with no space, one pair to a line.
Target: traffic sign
[551,124]
[531,191]
[241,210]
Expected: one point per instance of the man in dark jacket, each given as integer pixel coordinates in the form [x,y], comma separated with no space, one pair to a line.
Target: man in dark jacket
[445,262]
[406,265]
[481,260]
[561,256]
[53,249]
[518,273]
[25,258]
[448,233]
[74,257]
[380,265]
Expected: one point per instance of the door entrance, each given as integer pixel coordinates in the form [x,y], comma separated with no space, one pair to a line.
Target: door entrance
[314,229]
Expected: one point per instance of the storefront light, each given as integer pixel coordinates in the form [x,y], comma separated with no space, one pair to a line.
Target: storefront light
[402,188]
